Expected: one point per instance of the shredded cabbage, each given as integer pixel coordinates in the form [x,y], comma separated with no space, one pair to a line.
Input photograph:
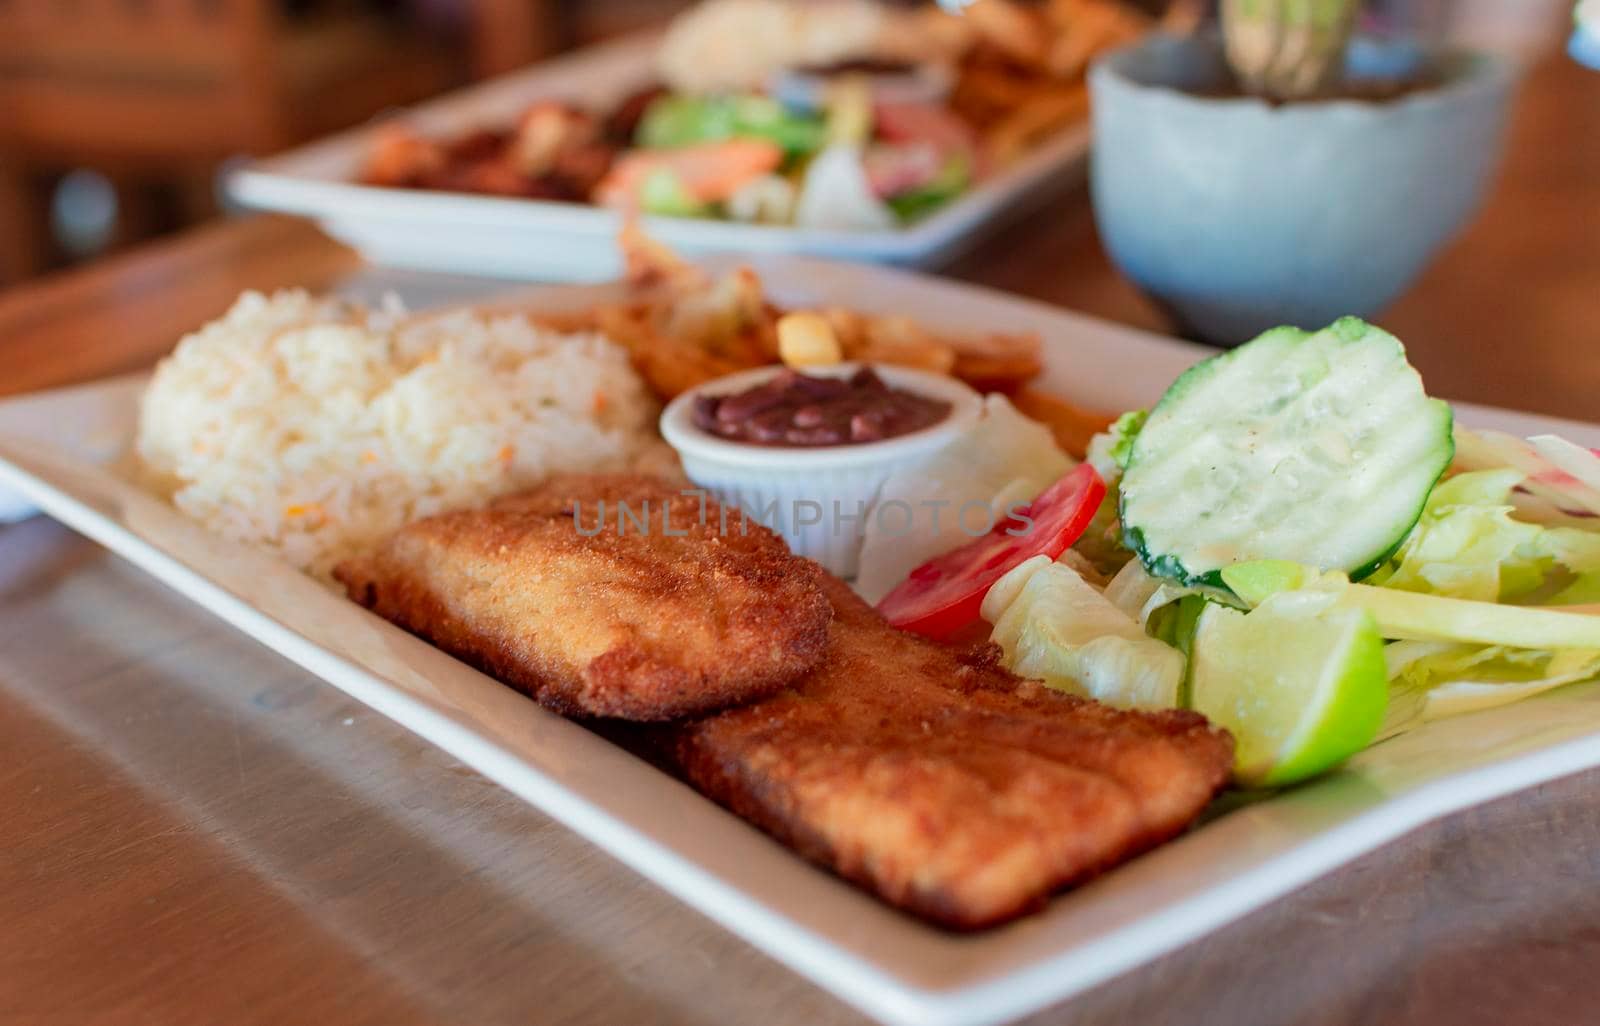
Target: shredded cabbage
[1054,626]
[1468,544]
[1132,589]
[1576,469]
[1429,680]
[1550,493]
[1584,590]
[1410,616]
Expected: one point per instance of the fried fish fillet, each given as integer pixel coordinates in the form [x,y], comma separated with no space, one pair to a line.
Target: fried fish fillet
[945,784]
[669,619]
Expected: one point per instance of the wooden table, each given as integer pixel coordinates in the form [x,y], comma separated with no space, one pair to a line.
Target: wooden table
[198,832]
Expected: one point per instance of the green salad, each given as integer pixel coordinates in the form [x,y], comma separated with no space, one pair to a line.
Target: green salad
[847,163]
[1302,545]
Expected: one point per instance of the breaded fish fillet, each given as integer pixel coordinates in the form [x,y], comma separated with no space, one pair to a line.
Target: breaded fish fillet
[642,623]
[945,784]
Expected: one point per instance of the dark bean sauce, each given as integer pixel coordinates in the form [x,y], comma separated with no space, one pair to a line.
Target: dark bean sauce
[797,410]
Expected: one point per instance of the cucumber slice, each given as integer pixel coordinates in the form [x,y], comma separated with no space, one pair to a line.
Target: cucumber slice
[1319,448]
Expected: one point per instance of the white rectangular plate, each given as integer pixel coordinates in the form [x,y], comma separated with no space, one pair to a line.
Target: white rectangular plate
[516,238]
[58,449]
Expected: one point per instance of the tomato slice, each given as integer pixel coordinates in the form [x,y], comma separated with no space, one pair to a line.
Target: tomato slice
[946,593]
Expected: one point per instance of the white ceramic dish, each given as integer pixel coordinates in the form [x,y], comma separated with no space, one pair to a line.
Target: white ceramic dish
[529,239]
[57,448]
[816,497]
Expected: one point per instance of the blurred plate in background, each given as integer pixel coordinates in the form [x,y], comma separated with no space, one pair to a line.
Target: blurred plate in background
[544,240]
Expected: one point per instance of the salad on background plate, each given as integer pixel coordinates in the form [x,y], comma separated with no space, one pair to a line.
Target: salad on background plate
[848,115]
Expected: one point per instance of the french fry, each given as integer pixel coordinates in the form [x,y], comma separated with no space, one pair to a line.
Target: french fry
[989,87]
[672,367]
[623,324]
[849,328]
[1086,28]
[1072,426]
[1030,122]
[905,343]
[1022,76]
[682,327]
[647,263]
[997,362]
[1015,30]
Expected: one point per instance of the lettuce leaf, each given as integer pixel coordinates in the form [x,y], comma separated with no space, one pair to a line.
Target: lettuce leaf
[664,193]
[1469,544]
[1453,655]
[1432,680]
[674,120]
[1143,596]
[1054,626]
[1584,590]
[1132,589]
[1466,544]
[1577,551]
[1108,453]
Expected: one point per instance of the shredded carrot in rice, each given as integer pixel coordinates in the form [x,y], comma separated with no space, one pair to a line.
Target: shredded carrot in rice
[600,402]
[369,457]
[507,452]
[304,510]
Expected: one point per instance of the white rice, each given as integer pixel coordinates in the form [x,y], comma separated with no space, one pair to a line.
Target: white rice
[313,427]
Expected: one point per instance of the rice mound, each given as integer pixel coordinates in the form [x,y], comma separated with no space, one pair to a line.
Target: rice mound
[313,427]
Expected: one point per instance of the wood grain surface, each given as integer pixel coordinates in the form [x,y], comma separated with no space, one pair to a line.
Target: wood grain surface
[198,832]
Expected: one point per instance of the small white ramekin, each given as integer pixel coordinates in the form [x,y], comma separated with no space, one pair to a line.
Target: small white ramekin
[837,485]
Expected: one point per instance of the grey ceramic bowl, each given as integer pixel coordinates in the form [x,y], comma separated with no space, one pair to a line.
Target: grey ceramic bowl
[1239,216]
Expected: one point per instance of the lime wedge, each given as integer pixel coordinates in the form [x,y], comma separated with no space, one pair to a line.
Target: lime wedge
[1301,689]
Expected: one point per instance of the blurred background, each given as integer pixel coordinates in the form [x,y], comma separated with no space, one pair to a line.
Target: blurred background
[116,115]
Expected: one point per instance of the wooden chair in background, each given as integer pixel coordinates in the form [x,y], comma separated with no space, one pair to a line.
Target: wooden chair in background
[164,90]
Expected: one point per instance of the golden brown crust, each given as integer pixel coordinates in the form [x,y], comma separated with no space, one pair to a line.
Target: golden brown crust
[928,775]
[622,622]
[943,783]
